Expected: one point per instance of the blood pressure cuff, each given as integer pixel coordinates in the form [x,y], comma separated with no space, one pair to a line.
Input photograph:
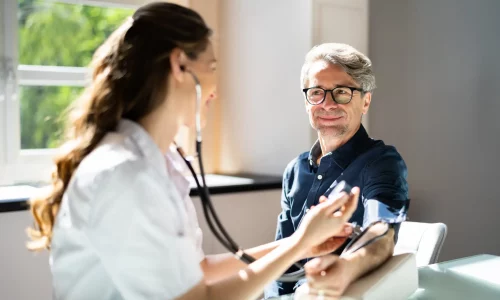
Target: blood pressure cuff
[392,212]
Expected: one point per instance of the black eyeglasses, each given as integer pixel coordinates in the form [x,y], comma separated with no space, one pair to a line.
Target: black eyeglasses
[340,94]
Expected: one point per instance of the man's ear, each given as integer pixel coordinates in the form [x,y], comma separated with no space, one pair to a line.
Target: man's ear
[178,60]
[367,99]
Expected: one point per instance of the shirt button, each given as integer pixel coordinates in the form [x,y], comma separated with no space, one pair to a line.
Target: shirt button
[320,177]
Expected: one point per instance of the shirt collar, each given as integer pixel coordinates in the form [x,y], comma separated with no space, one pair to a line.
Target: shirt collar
[177,168]
[346,153]
[148,148]
[169,164]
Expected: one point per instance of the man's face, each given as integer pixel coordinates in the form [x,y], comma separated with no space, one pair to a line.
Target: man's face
[329,118]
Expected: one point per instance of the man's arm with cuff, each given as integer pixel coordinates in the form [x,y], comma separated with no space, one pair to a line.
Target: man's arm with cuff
[386,188]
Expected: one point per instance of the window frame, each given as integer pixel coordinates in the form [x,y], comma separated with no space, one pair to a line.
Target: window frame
[18,166]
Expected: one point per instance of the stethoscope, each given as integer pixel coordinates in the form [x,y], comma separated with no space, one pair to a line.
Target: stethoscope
[211,217]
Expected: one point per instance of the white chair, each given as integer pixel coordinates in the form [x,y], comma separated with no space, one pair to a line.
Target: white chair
[423,239]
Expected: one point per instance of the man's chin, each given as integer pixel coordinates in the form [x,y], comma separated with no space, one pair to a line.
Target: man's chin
[332,131]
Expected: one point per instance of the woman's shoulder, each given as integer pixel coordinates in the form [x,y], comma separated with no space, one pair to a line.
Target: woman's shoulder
[115,163]
[112,176]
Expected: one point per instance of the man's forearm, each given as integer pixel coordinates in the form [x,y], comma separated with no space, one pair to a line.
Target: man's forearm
[370,257]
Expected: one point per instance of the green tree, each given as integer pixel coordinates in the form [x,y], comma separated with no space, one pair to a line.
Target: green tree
[57,34]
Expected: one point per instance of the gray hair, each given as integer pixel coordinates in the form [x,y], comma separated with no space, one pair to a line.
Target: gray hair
[355,64]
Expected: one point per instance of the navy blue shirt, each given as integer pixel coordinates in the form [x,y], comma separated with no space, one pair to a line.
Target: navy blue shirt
[377,169]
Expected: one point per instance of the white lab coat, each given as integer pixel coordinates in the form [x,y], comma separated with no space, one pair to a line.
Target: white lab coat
[127,228]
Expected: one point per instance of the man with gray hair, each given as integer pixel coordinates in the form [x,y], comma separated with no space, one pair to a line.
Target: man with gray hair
[338,83]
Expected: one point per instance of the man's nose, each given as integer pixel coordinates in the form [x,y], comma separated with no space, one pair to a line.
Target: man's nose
[329,103]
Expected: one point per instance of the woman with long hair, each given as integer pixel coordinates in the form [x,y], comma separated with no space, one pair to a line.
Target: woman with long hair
[117,217]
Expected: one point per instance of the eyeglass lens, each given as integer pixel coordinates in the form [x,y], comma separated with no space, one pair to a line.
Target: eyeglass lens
[341,95]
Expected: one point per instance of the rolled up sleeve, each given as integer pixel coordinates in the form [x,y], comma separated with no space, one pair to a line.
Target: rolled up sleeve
[385,192]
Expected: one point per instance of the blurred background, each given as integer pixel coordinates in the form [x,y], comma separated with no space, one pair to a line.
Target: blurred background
[436,63]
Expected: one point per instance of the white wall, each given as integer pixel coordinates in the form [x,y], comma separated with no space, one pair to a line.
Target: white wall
[262,48]
[437,66]
[249,217]
[23,275]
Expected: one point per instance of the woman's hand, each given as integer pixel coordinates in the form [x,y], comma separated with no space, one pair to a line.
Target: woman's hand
[330,244]
[326,220]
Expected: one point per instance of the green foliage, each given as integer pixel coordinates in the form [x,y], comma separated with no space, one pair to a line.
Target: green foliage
[57,34]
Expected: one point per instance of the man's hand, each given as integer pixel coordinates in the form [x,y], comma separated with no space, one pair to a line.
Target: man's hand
[329,275]
[304,292]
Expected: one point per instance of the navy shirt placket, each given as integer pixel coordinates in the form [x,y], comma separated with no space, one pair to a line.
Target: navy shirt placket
[329,171]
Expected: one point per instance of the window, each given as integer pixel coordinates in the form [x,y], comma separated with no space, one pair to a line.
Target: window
[62,35]
[45,46]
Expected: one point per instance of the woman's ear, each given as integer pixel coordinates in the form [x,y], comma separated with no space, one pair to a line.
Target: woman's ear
[178,60]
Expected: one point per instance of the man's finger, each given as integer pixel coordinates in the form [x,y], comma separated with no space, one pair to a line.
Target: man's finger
[320,264]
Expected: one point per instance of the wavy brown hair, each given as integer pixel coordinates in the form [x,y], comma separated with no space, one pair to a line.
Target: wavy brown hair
[129,76]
